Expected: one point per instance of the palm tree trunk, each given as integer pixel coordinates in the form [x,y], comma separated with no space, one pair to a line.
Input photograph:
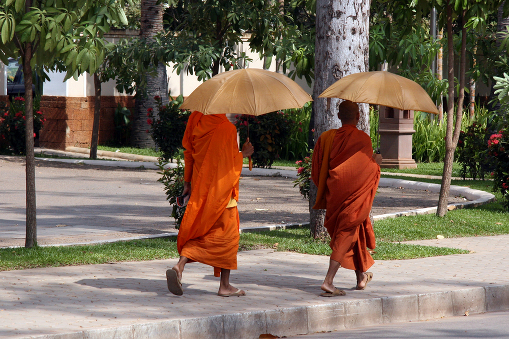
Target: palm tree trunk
[341,48]
[151,24]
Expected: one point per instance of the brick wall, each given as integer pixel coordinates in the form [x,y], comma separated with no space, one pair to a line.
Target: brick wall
[69,120]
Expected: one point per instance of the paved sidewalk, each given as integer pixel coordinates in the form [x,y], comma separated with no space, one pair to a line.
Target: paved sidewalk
[130,300]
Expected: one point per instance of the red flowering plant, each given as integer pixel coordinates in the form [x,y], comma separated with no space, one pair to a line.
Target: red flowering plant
[269,134]
[498,149]
[13,122]
[304,176]
[167,126]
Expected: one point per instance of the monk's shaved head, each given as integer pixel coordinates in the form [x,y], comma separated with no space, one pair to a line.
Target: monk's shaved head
[348,112]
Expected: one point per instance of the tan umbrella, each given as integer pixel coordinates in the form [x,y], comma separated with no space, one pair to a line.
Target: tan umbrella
[382,88]
[246,91]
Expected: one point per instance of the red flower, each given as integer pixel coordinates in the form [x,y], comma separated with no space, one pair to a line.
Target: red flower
[150,109]
[148,114]
[245,123]
[505,186]
[19,114]
[147,131]
[6,114]
[299,170]
[149,121]
[38,112]
[298,162]
[313,130]
[34,135]
[19,99]
[157,97]
[300,129]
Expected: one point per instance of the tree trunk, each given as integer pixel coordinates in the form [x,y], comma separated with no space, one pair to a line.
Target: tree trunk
[440,74]
[157,85]
[471,106]
[452,136]
[97,117]
[31,211]
[341,48]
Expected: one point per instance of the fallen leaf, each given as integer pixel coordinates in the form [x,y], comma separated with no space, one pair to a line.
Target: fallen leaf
[62,225]
[267,336]
[440,236]
[498,223]
[451,207]
[466,314]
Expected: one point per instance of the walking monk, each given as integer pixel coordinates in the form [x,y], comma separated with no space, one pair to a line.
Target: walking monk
[209,232]
[347,173]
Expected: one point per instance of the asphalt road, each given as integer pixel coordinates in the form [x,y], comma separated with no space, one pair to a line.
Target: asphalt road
[488,325]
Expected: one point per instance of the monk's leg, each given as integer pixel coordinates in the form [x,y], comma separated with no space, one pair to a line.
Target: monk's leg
[179,267]
[224,285]
[328,283]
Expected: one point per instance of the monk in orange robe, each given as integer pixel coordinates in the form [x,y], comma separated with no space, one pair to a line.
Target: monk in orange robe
[209,232]
[346,173]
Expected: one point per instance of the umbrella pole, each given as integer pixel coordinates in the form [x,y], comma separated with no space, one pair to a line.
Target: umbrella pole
[250,161]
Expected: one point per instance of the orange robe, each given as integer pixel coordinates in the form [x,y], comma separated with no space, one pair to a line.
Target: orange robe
[209,232]
[347,178]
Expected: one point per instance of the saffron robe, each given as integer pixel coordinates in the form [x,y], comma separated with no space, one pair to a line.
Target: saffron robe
[209,232]
[347,178]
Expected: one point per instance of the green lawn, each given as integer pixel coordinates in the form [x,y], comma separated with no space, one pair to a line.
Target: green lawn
[427,168]
[296,240]
[131,150]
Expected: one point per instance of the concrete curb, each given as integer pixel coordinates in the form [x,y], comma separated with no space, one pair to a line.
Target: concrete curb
[316,318]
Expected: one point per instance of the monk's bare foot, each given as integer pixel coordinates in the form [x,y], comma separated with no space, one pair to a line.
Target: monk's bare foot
[176,268]
[328,287]
[230,291]
[363,279]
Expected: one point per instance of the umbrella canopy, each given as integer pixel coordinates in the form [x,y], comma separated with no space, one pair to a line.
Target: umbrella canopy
[246,91]
[382,88]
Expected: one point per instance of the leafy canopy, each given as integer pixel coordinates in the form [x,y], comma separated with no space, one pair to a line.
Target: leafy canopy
[67,34]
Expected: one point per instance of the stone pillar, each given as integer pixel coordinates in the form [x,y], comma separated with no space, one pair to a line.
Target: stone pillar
[396,129]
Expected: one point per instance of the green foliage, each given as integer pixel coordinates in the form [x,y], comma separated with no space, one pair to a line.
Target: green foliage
[71,32]
[498,146]
[472,151]
[12,124]
[269,134]
[304,175]
[297,146]
[122,120]
[428,141]
[168,126]
[173,180]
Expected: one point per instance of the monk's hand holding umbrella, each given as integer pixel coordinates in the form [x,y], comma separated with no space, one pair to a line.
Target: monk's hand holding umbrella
[247,151]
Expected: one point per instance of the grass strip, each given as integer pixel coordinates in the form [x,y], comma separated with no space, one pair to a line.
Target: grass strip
[294,240]
[132,150]
[485,220]
[427,168]
[298,240]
